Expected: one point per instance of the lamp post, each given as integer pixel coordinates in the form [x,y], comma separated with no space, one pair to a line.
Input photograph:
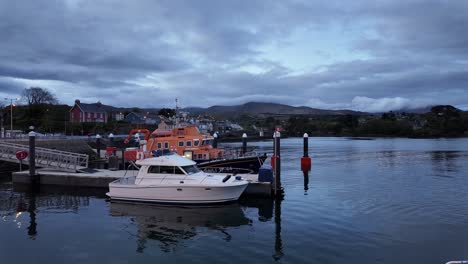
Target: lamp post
[11,112]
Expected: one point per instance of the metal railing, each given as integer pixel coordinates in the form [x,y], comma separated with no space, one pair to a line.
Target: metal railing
[49,158]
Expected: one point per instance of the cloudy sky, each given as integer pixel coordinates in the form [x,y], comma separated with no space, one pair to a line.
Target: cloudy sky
[374,55]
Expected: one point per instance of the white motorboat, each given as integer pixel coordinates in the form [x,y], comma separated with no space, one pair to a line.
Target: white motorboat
[175,179]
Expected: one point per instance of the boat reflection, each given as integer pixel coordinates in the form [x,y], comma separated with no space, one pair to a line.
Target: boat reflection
[172,224]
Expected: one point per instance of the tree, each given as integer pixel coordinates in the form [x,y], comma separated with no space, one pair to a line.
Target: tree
[38,96]
[39,101]
[2,114]
[167,112]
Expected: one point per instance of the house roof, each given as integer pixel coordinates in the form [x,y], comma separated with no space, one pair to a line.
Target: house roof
[96,107]
[137,115]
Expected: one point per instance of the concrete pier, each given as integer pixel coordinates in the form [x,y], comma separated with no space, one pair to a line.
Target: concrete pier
[100,178]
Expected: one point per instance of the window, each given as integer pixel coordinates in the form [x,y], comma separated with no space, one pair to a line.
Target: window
[188,143]
[166,169]
[203,142]
[153,169]
[159,145]
[166,145]
[196,142]
[88,115]
[191,169]
[178,170]
[181,143]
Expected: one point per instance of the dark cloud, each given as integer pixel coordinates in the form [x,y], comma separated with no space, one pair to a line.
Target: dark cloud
[395,53]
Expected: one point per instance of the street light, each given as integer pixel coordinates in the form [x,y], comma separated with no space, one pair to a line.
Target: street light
[11,112]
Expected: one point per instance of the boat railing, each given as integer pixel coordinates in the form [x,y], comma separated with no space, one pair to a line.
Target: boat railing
[235,153]
[227,170]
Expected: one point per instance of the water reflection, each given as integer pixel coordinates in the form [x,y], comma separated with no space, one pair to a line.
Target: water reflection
[264,206]
[33,199]
[445,162]
[278,240]
[306,182]
[172,224]
[32,228]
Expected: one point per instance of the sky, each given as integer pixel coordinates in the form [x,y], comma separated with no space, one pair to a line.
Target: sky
[375,55]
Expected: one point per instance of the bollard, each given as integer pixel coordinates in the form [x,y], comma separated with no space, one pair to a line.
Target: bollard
[215,140]
[32,154]
[306,161]
[98,145]
[244,143]
[277,153]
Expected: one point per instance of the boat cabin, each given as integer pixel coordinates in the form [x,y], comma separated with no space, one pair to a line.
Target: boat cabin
[167,169]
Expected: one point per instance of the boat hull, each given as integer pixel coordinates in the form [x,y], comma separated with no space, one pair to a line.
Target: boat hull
[176,194]
[249,163]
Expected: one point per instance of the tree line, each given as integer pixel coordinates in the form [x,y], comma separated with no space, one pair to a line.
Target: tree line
[441,121]
[42,110]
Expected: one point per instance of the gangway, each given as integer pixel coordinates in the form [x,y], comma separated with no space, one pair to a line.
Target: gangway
[46,158]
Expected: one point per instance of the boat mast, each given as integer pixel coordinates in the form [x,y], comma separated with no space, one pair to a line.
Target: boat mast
[176,113]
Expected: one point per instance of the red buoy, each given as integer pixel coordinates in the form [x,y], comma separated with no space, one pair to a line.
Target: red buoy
[306,164]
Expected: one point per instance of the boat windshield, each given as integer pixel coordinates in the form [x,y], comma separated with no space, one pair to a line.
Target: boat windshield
[191,169]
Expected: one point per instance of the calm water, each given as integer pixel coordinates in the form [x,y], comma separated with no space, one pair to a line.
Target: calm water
[379,201]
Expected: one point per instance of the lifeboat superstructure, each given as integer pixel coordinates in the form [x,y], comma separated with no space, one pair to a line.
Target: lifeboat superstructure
[189,142]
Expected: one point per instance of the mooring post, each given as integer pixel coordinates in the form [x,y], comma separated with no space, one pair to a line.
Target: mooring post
[306,161]
[111,144]
[98,145]
[215,140]
[123,158]
[306,145]
[244,143]
[111,140]
[32,154]
[278,188]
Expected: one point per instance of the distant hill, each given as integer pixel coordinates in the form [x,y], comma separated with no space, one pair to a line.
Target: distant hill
[421,110]
[265,109]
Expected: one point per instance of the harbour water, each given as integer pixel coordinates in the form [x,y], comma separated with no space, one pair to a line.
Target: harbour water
[367,201]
